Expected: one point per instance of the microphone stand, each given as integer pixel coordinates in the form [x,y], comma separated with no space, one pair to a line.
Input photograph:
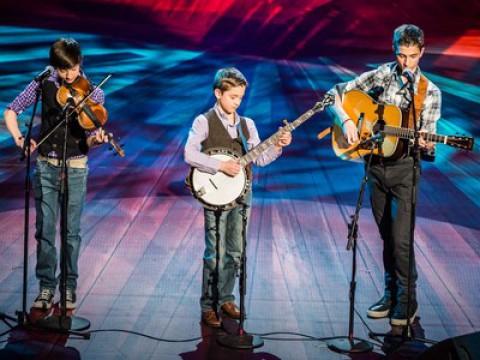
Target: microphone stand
[216,297]
[22,315]
[242,340]
[350,343]
[416,157]
[64,323]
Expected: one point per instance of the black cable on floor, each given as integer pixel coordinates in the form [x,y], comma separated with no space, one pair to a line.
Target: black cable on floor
[375,338]
[147,336]
[266,336]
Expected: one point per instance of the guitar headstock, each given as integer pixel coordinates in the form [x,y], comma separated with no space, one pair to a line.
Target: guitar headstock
[461,142]
[328,99]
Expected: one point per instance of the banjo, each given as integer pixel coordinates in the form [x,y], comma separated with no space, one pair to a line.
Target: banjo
[221,191]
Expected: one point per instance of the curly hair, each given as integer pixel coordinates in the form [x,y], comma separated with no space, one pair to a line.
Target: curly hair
[408,35]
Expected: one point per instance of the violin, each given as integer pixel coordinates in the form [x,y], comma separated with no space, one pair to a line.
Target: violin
[91,115]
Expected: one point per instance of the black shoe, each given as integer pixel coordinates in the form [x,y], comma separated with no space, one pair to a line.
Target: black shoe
[380,309]
[399,313]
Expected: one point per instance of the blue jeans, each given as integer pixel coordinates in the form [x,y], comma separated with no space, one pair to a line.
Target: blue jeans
[218,291]
[48,200]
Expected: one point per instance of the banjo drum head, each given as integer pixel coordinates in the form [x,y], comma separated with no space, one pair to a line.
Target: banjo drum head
[219,191]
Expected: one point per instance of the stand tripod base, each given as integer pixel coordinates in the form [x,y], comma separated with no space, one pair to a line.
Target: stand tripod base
[4,317]
[244,341]
[347,345]
[63,323]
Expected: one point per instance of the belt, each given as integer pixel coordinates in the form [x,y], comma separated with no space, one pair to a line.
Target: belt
[76,162]
[380,160]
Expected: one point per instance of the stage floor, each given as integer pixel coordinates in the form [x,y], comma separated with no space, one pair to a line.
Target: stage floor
[141,257]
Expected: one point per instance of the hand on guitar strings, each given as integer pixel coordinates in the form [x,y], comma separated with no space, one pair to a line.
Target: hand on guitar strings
[350,131]
[230,167]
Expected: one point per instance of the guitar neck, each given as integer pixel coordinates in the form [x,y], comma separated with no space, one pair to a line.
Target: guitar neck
[253,154]
[406,133]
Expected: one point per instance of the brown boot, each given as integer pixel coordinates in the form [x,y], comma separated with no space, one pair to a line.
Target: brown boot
[231,310]
[211,319]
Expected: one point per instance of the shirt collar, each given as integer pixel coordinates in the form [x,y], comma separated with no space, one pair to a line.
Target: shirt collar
[221,114]
[396,71]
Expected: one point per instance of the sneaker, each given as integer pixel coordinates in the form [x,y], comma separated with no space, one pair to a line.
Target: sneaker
[380,309]
[399,313]
[44,300]
[71,299]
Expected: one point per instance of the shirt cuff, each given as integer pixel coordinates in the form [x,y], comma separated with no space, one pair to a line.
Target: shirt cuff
[16,111]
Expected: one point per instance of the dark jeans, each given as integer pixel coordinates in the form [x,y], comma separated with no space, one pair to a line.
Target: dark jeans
[48,203]
[230,250]
[390,188]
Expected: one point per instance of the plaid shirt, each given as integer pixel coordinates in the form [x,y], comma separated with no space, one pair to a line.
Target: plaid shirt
[388,77]
[27,97]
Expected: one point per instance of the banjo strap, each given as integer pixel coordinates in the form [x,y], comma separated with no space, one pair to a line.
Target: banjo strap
[242,135]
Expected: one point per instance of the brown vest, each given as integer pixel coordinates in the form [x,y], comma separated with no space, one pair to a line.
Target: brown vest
[218,136]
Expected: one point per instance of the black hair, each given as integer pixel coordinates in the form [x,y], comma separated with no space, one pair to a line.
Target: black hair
[65,53]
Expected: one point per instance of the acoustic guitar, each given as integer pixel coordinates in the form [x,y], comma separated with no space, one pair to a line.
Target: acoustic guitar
[385,121]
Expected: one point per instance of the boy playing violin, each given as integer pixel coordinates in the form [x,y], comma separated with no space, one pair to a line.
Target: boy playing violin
[66,59]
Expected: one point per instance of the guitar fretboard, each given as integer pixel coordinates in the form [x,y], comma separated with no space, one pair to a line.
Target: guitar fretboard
[406,133]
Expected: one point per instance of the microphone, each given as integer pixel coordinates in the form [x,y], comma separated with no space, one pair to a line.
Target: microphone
[410,76]
[378,137]
[44,74]
[69,104]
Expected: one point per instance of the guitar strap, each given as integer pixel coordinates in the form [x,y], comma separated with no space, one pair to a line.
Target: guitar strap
[419,100]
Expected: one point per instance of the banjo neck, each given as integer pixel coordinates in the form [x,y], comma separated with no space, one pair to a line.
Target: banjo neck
[253,154]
